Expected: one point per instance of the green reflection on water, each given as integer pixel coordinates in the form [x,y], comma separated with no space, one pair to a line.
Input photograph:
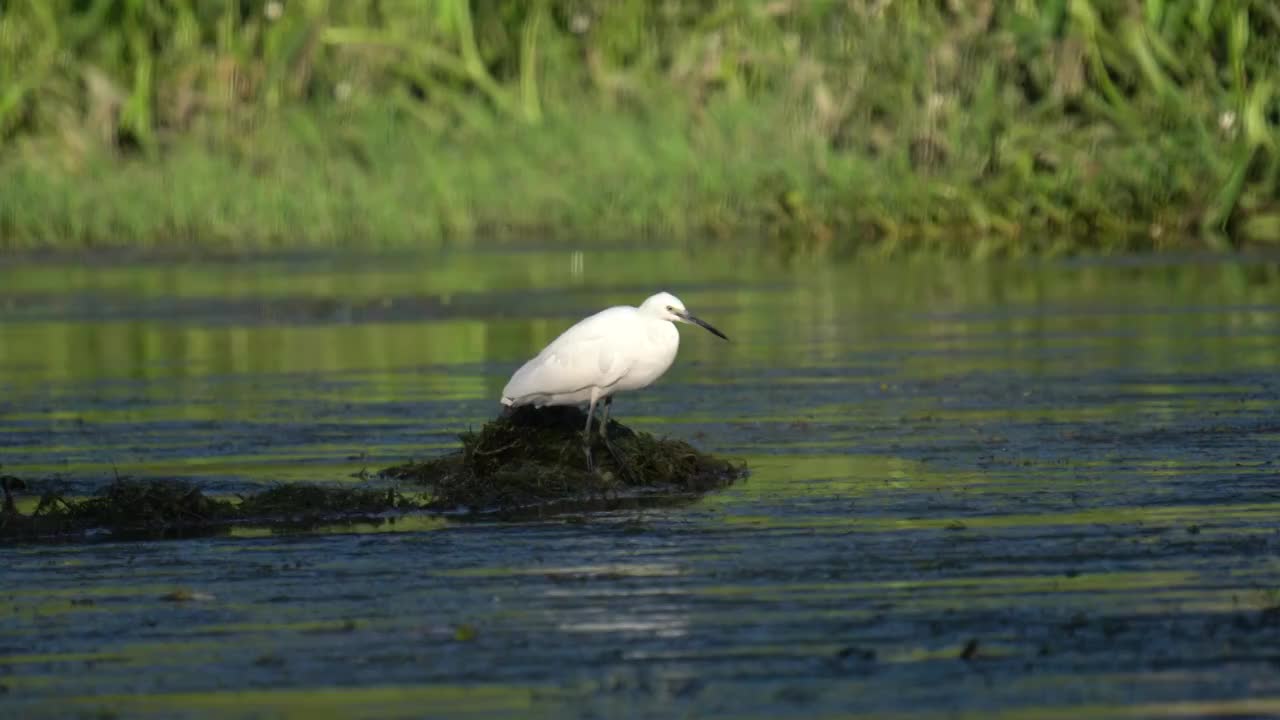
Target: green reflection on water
[476,307]
[822,358]
[322,702]
[1246,708]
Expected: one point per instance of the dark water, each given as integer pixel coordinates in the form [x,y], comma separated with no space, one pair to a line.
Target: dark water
[1020,491]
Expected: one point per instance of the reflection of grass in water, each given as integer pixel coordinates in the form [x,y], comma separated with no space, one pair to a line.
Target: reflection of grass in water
[311,702]
[828,319]
[1172,517]
[1248,708]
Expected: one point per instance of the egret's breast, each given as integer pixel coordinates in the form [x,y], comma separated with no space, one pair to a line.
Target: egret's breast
[652,350]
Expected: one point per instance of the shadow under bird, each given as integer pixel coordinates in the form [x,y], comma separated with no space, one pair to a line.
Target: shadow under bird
[617,349]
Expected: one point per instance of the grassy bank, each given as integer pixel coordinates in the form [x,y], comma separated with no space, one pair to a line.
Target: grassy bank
[970,127]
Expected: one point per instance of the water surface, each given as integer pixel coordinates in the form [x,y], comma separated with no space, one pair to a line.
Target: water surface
[1035,490]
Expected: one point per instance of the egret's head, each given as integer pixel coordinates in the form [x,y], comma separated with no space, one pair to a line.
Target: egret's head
[666,306]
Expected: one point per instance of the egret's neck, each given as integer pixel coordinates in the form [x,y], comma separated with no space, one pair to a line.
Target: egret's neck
[662,332]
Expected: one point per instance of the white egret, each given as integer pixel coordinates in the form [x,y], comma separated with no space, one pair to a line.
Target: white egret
[620,348]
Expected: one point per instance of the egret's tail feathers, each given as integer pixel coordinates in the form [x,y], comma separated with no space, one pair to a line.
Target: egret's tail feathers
[508,401]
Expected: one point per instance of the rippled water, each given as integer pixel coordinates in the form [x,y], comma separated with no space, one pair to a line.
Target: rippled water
[990,491]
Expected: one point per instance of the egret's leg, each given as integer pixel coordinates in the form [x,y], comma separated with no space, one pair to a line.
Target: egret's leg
[604,435]
[586,434]
[604,423]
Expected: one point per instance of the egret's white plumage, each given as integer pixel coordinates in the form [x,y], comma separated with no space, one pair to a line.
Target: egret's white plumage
[617,349]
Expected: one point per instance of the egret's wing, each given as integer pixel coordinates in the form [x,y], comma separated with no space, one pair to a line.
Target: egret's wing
[568,369]
[583,356]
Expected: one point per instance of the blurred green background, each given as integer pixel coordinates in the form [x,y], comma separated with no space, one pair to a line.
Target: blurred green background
[968,127]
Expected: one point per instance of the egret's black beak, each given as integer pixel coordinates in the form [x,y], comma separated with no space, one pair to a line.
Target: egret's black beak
[691,318]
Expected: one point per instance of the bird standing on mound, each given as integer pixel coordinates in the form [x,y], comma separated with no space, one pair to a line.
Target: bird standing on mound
[620,348]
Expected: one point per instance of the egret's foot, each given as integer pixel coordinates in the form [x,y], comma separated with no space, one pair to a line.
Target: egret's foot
[623,468]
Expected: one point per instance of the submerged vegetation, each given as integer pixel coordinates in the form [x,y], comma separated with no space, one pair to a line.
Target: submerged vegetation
[967,125]
[530,460]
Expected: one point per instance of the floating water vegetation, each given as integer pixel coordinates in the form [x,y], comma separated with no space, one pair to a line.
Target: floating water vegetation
[533,457]
[527,461]
[166,507]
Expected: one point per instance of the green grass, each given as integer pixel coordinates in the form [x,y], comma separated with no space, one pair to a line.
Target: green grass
[1049,126]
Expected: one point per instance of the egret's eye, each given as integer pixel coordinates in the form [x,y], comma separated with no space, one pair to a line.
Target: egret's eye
[670,309]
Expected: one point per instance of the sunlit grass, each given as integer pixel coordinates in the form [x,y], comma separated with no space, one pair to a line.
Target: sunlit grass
[1043,126]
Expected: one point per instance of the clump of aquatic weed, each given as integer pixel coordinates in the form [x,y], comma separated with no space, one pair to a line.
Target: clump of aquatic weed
[527,459]
[531,457]
[313,501]
[124,505]
[159,507]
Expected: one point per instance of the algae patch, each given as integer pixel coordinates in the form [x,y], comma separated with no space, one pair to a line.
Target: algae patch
[527,459]
[317,501]
[533,457]
[161,507]
[146,506]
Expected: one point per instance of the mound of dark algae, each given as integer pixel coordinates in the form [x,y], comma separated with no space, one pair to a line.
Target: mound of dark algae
[534,457]
[144,506]
[149,508]
[526,460]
